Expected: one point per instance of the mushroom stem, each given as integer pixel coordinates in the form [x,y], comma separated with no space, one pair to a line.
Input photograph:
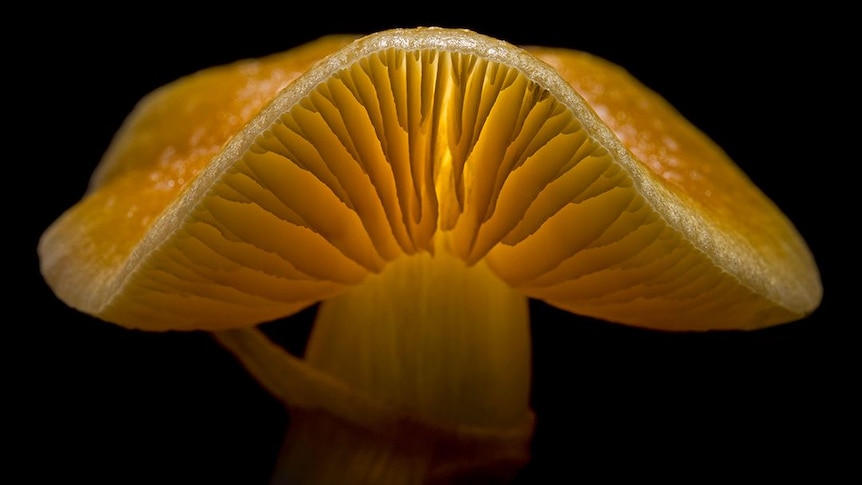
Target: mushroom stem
[322,449]
[419,375]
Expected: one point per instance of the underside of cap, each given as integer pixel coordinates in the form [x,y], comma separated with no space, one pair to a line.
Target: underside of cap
[390,143]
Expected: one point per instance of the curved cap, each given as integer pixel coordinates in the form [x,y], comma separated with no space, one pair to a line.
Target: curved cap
[248,192]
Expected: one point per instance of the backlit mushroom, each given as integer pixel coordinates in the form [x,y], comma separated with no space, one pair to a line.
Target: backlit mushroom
[421,184]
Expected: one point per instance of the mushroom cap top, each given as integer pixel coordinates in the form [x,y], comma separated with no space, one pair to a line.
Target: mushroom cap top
[247,192]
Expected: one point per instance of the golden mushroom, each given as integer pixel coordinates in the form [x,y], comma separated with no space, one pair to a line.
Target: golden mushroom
[422,184]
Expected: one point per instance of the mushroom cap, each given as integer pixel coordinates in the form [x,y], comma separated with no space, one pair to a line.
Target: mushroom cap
[247,192]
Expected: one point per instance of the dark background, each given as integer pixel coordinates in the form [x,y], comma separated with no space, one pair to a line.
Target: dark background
[101,404]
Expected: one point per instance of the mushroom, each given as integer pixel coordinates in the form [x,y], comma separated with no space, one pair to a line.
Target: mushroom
[422,185]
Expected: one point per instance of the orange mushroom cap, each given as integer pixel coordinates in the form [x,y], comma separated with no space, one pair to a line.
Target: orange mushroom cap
[248,192]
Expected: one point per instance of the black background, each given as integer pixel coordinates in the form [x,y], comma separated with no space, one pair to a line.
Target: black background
[101,404]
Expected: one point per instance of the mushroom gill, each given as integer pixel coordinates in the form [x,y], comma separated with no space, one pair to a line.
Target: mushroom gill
[422,184]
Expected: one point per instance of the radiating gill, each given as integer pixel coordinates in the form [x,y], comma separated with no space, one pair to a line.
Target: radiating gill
[416,142]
